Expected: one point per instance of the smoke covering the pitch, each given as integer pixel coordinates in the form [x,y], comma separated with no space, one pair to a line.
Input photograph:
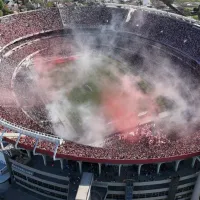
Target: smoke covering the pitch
[120,102]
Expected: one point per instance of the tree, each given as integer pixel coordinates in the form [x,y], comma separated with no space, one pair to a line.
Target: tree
[4,9]
[40,2]
[29,6]
[197,11]
[1,4]
[187,11]
[67,1]
[50,4]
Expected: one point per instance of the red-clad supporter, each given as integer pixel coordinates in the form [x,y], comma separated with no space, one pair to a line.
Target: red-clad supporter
[27,140]
[16,116]
[45,145]
[15,26]
[148,145]
[143,143]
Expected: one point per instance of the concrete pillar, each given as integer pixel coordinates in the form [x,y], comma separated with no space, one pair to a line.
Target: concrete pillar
[2,147]
[193,161]
[198,158]
[35,146]
[17,141]
[158,167]
[196,191]
[55,152]
[99,168]
[80,166]
[1,137]
[61,164]
[139,168]
[119,170]
[28,153]
[177,165]
[44,159]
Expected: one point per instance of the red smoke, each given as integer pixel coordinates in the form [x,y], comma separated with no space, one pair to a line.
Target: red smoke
[43,65]
[7,98]
[122,104]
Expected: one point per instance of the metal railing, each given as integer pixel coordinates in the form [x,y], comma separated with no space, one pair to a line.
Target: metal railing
[31,133]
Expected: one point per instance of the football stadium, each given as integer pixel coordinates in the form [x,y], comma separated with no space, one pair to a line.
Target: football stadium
[100,103]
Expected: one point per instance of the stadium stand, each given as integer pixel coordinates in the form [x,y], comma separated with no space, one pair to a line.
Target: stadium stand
[147,160]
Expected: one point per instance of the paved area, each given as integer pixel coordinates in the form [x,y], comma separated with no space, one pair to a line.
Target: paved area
[17,193]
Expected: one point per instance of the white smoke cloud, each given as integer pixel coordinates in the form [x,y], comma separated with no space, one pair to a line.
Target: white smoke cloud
[93,126]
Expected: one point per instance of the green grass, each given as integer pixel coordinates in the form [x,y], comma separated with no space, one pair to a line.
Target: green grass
[195,17]
[164,103]
[145,86]
[89,92]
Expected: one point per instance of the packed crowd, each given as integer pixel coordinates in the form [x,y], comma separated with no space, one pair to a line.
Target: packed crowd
[18,116]
[49,19]
[161,32]
[15,26]
[40,145]
[140,23]
[39,21]
[145,142]
[91,16]
[48,45]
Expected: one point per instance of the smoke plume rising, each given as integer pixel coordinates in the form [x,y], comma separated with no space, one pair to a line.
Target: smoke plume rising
[99,93]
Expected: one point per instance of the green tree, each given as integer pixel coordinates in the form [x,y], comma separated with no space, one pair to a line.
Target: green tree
[50,4]
[1,4]
[187,11]
[38,2]
[198,12]
[6,11]
[29,6]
